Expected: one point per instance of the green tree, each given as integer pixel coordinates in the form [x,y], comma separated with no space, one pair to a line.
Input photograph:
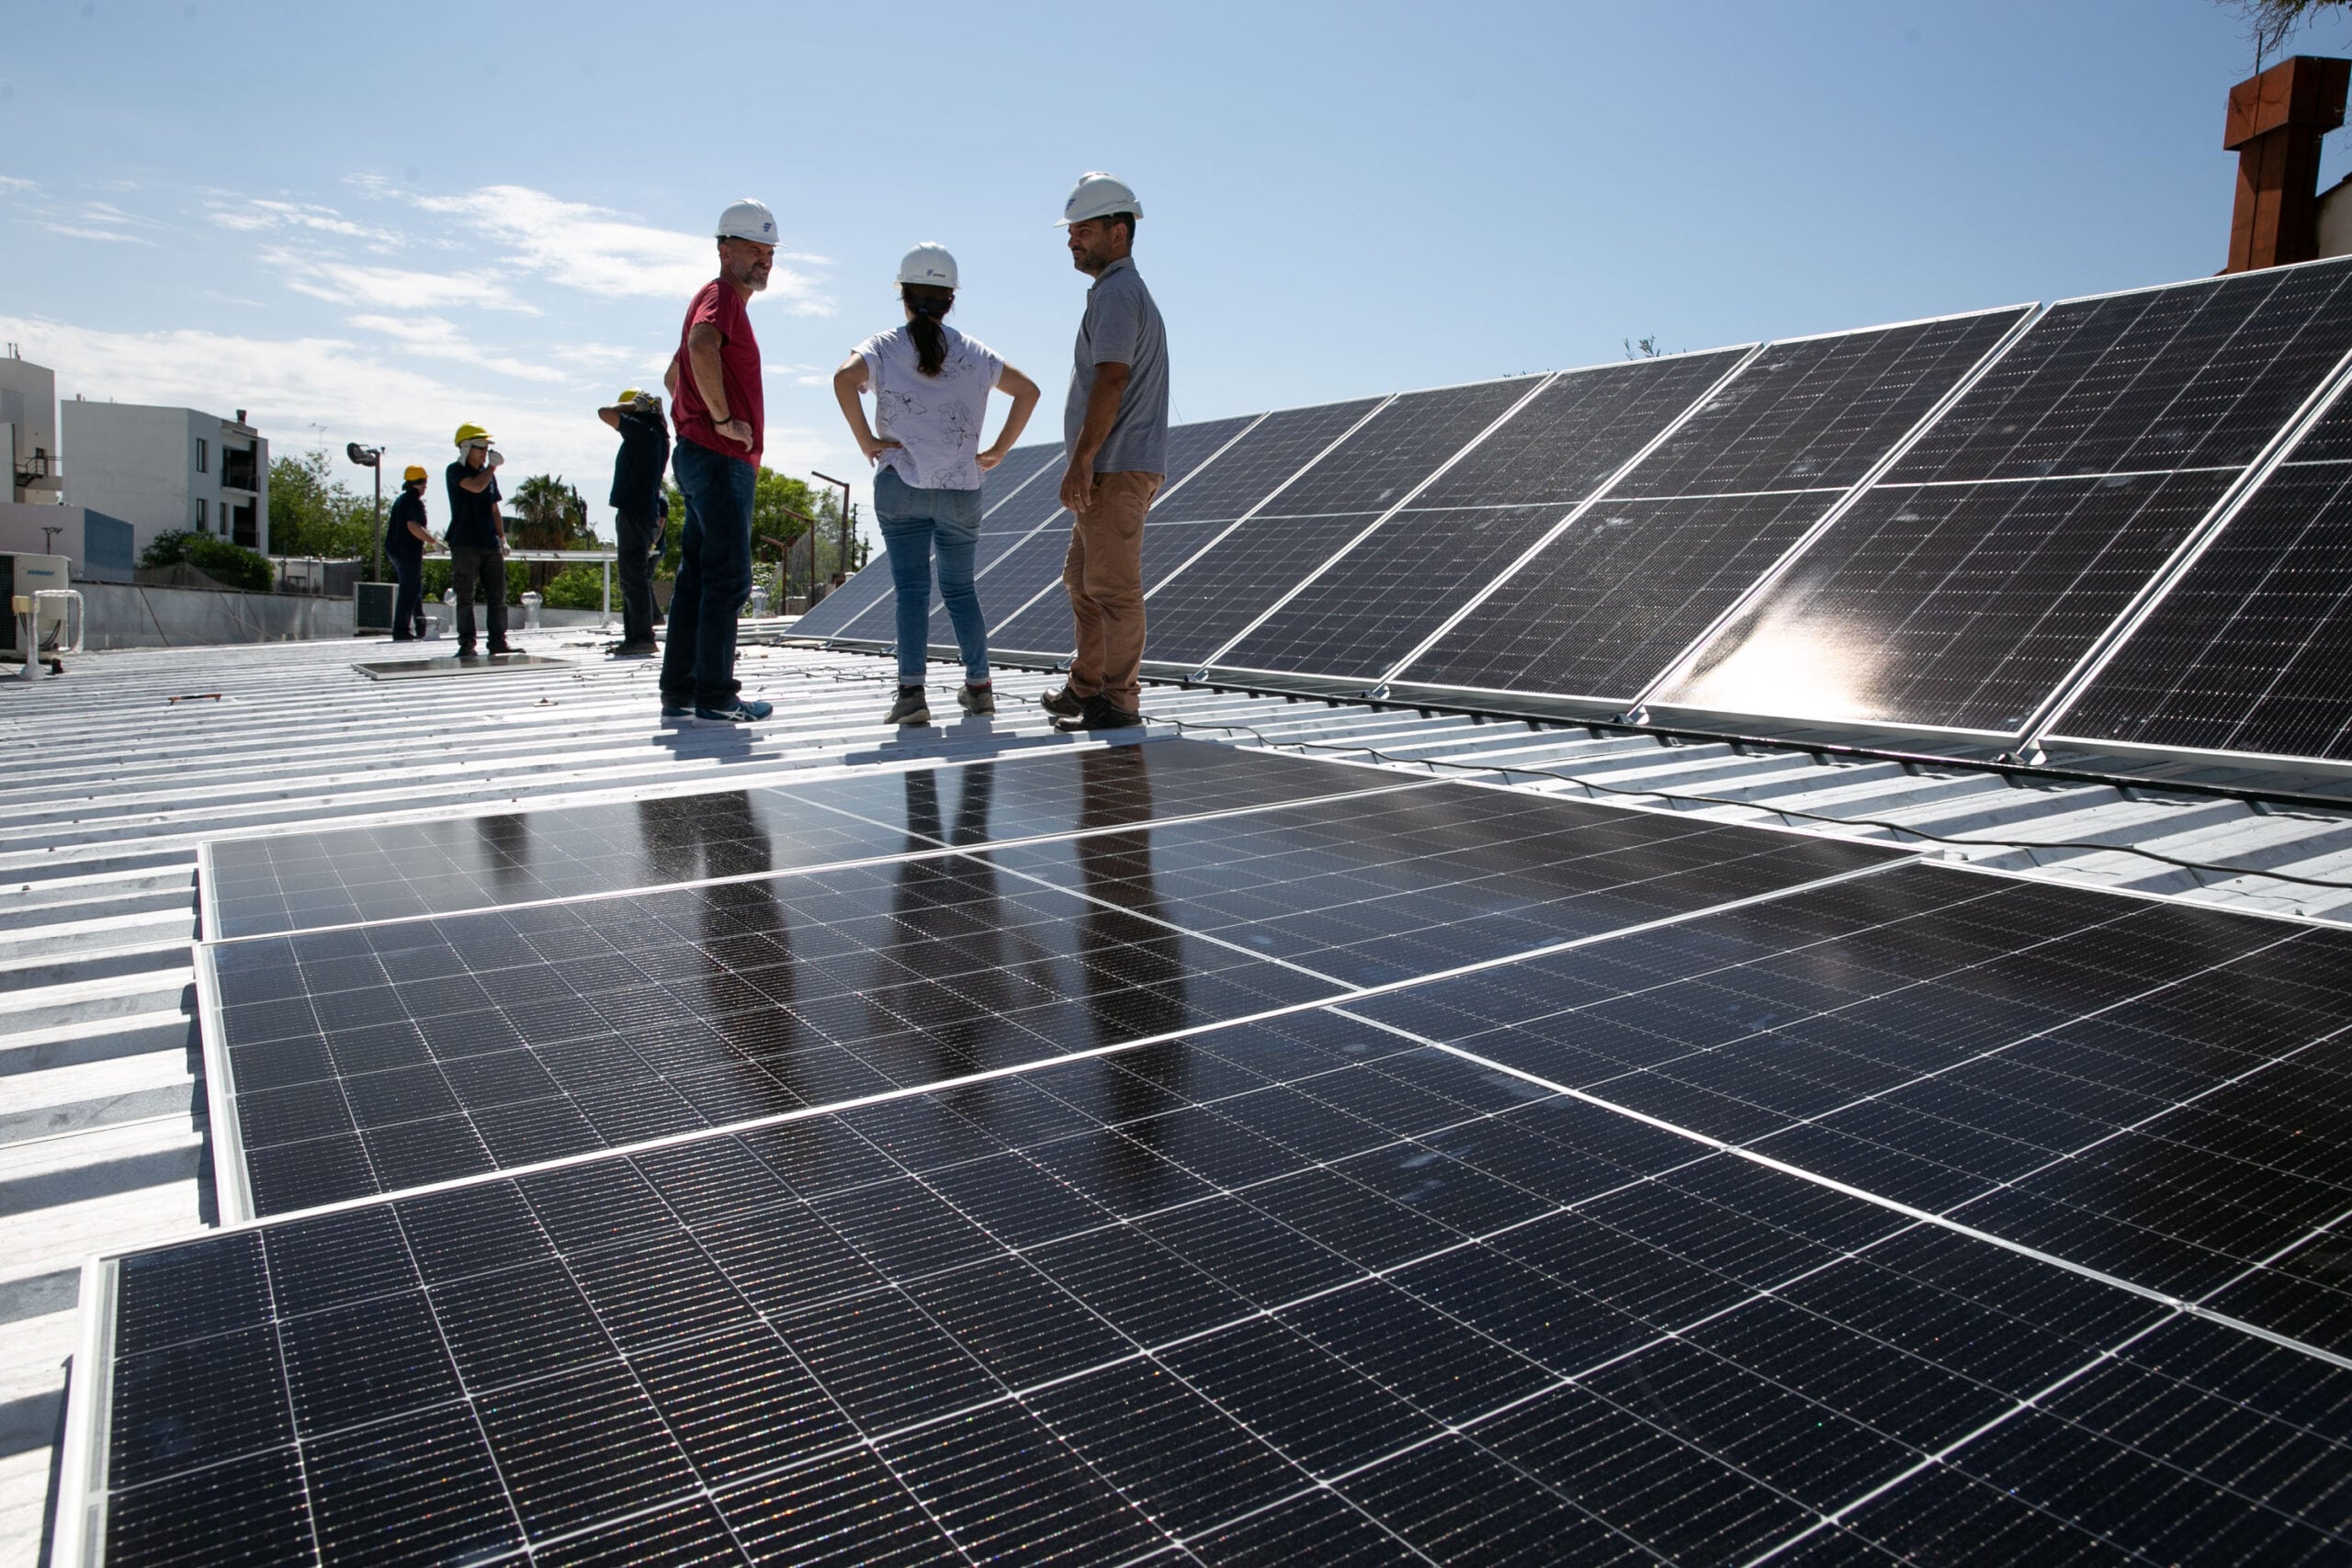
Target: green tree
[313,513]
[232,566]
[546,513]
[782,507]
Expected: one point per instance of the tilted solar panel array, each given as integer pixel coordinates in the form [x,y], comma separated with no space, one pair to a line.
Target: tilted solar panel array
[1626,587]
[2251,650]
[1611,1186]
[1234,478]
[1966,588]
[1010,496]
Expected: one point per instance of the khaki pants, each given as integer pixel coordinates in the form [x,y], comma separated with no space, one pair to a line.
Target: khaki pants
[1104,575]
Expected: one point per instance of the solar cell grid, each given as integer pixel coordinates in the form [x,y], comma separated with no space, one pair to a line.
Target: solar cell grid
[1810,413]
[1281,444]
[1576,431]
[2247,652]
[376,1058]
[831,615]
[1620,595]
[2194,375]
[303,881]
[1230,1293]
[1958,605]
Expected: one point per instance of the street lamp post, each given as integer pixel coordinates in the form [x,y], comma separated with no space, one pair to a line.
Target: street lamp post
[841,561]
[372,457]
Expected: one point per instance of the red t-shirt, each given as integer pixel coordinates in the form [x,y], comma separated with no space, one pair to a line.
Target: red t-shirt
[721,305]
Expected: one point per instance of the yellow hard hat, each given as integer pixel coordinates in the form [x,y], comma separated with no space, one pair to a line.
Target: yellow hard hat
[414,472]
[628,395]
[470,432]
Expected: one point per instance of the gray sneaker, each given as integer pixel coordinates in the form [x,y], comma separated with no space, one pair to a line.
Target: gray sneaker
[976,700]
[910,708]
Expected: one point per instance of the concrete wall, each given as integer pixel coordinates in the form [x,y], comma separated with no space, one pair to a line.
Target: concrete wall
[101,547]
[123,617]
[151,466]
[28,406]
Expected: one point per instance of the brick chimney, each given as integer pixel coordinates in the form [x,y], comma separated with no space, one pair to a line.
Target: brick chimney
[2275,124]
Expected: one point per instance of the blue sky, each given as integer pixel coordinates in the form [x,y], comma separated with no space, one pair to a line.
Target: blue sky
[373,222]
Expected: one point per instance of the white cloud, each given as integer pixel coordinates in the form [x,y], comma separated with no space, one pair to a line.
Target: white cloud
[257,214]
[390,288]
[438,337]
[323,391]
[99,221]
[598,252]
[11,185]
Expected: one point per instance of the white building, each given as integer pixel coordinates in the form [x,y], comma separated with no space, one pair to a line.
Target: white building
[29,417]
[161,468]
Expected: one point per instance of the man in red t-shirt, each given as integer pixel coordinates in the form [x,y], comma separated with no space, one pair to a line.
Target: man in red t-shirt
[714,382]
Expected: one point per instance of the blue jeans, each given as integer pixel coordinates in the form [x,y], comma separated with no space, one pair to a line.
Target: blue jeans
[915,523]
[714,577]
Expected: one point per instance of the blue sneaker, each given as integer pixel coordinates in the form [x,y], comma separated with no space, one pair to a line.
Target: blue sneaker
[758,710]
[676,707]
[733,713]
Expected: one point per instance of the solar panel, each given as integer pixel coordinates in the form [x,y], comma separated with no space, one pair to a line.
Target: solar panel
[1822,1224]
[1962,605]
[2192,375]
[2247,652]
[1619,594]
[1208,601]
[1017,576]
[1966,589]
[289,882]
[866,587]
[1601,609]
[1818,412]
[1384,597]
[376,1058]
[1245,474]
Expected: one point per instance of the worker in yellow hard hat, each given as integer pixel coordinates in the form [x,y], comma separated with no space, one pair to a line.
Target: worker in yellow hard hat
[639,509]
[476,535]
[405,538]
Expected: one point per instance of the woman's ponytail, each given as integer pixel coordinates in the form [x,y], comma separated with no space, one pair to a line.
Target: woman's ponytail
[928,304]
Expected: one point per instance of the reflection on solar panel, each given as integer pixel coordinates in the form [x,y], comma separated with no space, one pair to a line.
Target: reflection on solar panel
[1209,600]
[290,882]
[1384,597]
[1615,598]
[1035,567]
[1852,1219]
[377,1058]
[1627,586]
[1969,607]
[2248,652]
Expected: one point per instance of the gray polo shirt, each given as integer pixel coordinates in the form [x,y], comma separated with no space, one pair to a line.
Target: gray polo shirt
[1122,327]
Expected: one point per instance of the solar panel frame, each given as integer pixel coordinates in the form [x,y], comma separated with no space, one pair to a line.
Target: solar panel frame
[2306,487]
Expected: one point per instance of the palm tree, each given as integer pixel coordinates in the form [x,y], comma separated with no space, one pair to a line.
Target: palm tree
[546,513]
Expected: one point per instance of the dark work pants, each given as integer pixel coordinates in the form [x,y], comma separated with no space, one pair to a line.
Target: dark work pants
[714,576]
[407,599]
[636,541]
[482,572]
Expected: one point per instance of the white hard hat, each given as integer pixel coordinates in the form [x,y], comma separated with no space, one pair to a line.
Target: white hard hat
[1098,195]
[748,219]
[928,263]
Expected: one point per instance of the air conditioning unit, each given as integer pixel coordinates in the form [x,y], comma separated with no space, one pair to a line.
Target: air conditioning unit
[23,576]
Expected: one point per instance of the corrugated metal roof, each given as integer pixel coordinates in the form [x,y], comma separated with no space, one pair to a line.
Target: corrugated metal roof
[122,766]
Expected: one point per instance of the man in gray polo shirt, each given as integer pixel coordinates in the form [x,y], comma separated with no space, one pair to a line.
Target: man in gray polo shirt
[1115,431]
